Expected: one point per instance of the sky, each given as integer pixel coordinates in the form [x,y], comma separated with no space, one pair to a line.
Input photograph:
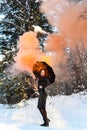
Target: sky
[65,113]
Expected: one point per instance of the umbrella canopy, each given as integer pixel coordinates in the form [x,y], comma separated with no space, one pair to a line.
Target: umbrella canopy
[39,65]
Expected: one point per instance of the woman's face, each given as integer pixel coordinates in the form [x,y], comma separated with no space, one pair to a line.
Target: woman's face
[42,73]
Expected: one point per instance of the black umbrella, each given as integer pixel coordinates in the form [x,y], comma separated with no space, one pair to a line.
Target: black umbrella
[39,65]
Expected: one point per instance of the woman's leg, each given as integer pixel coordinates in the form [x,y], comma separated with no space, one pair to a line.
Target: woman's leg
[41,106]
[44,115]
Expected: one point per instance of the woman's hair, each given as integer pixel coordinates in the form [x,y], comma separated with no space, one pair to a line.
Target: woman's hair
[46,72]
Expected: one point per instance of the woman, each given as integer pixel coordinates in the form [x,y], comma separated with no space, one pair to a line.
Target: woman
[42,84]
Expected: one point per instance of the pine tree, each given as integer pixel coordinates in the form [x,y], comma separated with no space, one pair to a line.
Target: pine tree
[20,15]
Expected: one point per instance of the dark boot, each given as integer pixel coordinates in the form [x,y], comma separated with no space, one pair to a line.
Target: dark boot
[46,122]
[44,115]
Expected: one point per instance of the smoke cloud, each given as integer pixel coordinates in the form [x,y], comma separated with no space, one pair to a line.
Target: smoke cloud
[70,19]
[29,52]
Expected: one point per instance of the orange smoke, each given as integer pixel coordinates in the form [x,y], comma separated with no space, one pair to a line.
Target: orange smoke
[73,25]
[56,44]
[29,52]
[53,9]
[70,18]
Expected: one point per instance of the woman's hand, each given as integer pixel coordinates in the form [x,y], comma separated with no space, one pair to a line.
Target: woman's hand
[40,87]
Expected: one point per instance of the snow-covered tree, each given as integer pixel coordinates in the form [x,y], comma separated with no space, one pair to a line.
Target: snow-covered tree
[73,73]
[19,16]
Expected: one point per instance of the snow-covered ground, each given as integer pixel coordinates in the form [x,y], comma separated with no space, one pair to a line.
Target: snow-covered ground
[65,113]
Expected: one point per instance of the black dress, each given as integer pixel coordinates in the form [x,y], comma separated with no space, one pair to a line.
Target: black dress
[43,81]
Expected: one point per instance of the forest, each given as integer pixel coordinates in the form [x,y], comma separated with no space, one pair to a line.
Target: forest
[17,18]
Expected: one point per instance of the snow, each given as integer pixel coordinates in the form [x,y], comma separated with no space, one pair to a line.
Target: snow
[38,29]
[65,113]
[2,16]
[2,57]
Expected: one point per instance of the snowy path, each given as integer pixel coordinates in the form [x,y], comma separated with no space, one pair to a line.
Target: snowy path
[65,113]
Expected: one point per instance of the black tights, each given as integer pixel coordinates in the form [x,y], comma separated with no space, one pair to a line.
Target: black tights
[43,113]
